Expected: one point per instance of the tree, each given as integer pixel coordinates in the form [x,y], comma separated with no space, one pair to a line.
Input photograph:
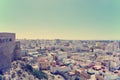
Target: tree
[77,79]
[40,74]
[62,50]
[0,77]
[29,68]
[36,73]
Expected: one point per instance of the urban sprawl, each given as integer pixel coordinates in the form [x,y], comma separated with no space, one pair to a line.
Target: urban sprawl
[27,59]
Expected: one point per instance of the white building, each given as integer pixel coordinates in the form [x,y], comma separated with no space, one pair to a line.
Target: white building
[112,47]
[56,68]
[61,55]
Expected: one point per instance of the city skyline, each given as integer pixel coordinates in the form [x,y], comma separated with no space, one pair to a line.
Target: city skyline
[69,19]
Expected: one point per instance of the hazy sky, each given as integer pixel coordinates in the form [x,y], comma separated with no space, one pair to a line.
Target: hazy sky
[63,19]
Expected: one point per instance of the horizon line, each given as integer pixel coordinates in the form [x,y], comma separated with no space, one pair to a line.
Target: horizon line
[73,39]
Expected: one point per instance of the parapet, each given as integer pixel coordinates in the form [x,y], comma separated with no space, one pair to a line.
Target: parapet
[7,37]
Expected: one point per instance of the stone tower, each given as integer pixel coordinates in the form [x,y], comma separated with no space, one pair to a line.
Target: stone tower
[7,50]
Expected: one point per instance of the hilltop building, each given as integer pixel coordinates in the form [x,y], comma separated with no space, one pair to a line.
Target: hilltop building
[9,50]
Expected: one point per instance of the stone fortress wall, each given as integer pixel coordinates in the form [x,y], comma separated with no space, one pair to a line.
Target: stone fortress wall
[7,50]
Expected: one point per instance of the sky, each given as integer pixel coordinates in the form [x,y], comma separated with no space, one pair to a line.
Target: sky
[61,19]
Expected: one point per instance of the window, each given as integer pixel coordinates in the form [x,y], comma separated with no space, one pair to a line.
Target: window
[0,40]
[10,39]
